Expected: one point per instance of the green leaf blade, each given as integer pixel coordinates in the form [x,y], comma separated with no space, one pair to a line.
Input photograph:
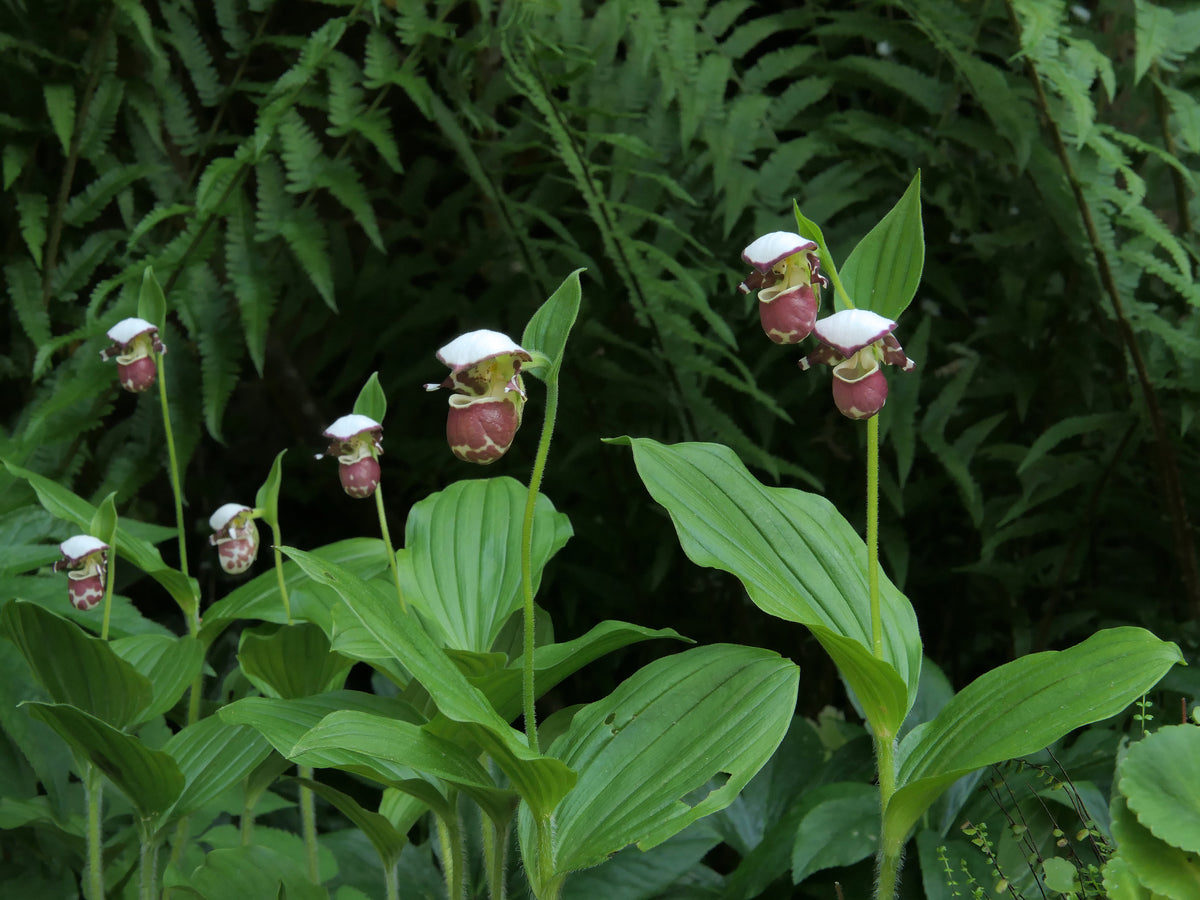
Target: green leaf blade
[882,272]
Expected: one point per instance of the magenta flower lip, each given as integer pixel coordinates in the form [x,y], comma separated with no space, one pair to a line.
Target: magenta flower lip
[857,343]
[85,559]
[357,442]
[235,536]
[770,249]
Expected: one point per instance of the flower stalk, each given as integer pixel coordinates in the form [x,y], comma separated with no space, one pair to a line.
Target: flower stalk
[94,789]
[387,542]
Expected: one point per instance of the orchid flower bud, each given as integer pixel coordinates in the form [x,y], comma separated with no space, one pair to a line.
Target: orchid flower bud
[85,560]
[485,412]
[357,442]
[235,536]
[135,341]
[788,271]
[856,343]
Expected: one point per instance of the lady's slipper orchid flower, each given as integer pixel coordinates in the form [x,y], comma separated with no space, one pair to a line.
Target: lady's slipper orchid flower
[357,442]
[485,413]
[135,341]
[856,342]
[235,536]
[85,560]
[788,271]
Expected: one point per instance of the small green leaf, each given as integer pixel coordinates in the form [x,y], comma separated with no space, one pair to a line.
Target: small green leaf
[104,522]
[840,829]
[809,229]
[1060,875]
[292,661]
[214,755]
[149,778]
[170,664]
[60,104]
[1018,709]
[1160,778]
[882,273]
[1159,867]
[371,401]
[711,712]
[550,326]
[267,498]
[460,566]
[383,835]
[75,668]
[152,303]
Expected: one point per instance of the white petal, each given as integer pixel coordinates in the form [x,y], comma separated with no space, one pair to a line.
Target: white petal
[771,248]
[224,514]
[127,329]
[470,348]
[348,426]
[850,330]
[79,546]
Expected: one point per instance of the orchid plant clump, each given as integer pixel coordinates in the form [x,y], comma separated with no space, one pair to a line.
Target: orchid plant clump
[449,627]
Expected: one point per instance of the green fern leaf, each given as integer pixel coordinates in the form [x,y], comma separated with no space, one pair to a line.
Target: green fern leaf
[100,123]
[13,162]
[250,277]
[340,179]
[91,201]
[229,21]
[719,18]
[178,115]
[137,14]
[301,151]
[183,33]
[380,60]
[927,92]
[25,291]
[60,104]
[777,64]
[77,267]
[312,57]
[33,210]
[214,184]
[305,237]
[153,218]
[204,307]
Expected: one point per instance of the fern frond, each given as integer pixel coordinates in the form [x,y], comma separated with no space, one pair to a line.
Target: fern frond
[301,152]
[188,42]
[250,278]
[202,305]
[76,267]
[91,201]
[60,104]
[25,291]
[178,115]
[32,211]
[929,93]
[12,162]
[340,179]
[228,13]
[214,184]
[100,123]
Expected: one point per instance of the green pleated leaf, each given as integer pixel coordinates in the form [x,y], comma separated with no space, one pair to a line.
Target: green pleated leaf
[267,498]
[371,401]
[349,738]
[882,273]
[75,668]
[258,871]
[170,665]
[461,566]
[550,326]
[213,756]
[1143,859]
[840,829]
[149,778]
[554,662]
[60,502]
[104,522]
[1018,709]
[798,559]
[383,835]
[666,731]
[541,781]
[259,598]
[351,638]
[152,303]
[292,661]
[1160,778]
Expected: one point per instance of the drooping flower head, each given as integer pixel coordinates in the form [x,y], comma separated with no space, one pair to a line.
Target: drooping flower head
[85,560]
[235,536]
[134,343]
[788,271]
[357,442]
[486,408]
[857,342]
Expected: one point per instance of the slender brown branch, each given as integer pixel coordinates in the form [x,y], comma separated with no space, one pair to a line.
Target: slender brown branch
[1170,483]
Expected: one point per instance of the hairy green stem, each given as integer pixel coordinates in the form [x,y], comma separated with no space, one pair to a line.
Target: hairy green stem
[495,853]
[147,864]
[873,534]
[391,881]
[550,882]
[173,461]
[283,591]
[535,483]
[450,836]
[308,824]
[94,790]
[110,569]
[246,821]
[387,542]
